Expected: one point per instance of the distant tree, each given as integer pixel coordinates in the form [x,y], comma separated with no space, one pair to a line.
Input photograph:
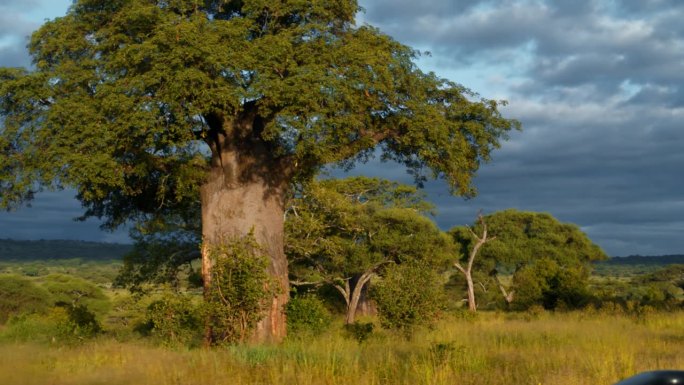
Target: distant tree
[143,105]
[547,283]
[549,261]
[73,291]
[663,288]
[470,245]
[343,232]
[20,295]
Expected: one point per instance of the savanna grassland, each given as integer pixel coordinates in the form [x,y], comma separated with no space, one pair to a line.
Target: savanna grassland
[531,348]
[47,337]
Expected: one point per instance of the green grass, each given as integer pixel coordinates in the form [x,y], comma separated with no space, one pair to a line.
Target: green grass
[569,349]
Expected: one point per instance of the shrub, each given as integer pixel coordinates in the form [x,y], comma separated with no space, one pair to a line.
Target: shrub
[240,291]
[76,291]
[409,295]
[440,353]
[360,331]
[307,315]
[45,328]
[551,285]
[21,296]
[62,324]
[82,322]
[174,320]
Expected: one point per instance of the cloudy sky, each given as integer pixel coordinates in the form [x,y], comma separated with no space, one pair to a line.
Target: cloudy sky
[598,86]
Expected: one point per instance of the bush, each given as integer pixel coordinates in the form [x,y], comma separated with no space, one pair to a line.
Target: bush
[440,353]
[82,322]
[307,315]
[360,331]
[409,295]
[65,325]
[550,285]
[240,291]
[45,328]
[174,320]
[21,296]
[76,291]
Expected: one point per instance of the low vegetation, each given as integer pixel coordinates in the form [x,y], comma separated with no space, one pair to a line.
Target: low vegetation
[72,322]
[577,348]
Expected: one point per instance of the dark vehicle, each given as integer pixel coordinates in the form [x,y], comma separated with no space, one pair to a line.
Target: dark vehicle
[658,377]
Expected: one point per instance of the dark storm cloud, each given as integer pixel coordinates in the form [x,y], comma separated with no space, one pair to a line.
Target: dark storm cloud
[52,216]
[571,43]
[453,30]
[598,88]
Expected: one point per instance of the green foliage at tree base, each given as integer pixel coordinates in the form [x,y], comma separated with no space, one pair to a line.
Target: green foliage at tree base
[409,295]
[174,320]
[360,331]
[307,315]
[240,289]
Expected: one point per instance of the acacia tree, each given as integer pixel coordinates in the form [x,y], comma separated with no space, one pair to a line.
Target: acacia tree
[142,104]
[549,261]
[344,232]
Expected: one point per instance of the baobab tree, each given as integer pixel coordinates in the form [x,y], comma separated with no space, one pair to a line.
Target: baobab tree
[145,105]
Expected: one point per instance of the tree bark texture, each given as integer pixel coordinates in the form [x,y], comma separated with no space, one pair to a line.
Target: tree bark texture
[353,293]
[367,307]
[468,270]
[245,192]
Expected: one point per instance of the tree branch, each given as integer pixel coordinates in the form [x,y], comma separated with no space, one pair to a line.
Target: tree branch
[508,296]
[307,283]
[344,290]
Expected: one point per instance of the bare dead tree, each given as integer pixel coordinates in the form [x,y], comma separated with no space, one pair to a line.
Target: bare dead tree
[467,271]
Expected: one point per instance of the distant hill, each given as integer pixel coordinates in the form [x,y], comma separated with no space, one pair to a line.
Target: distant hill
[635,265]
[646,260]
[15,250]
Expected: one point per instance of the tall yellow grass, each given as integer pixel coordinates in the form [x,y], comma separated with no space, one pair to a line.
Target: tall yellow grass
[568,349]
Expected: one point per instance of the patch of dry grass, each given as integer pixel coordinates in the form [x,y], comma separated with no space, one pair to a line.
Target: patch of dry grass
[568,349]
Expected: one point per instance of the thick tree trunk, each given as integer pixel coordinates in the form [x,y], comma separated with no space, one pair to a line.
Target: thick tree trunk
[352,293]
[346,294]
[353,304]
[244,193]
[367,306]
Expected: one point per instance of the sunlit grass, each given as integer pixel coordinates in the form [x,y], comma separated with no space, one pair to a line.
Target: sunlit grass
[569,349]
